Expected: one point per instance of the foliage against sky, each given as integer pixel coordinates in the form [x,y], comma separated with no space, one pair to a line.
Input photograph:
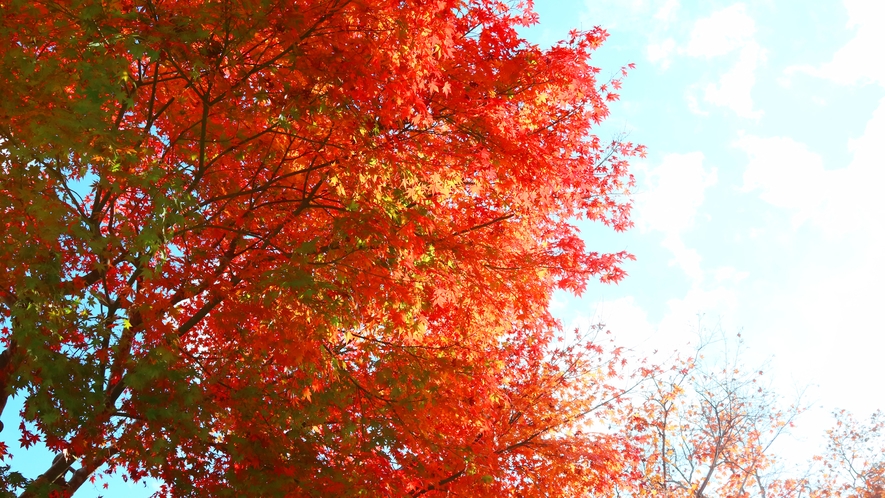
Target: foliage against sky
[764,120]
[759,205]
[304,248]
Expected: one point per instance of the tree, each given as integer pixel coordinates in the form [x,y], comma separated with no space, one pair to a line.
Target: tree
[706,429]
[853,465]
[303,247]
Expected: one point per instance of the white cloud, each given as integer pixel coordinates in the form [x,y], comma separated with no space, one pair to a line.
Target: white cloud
[867,149]
[857,202]
[735,87]
[848,199]
[677,330]
[660,53]
[667,11]
[686,258]
[693,104]
[838,201]
[624,318]
[727,31]
[858,61]
[631,328]
[835,323]
[851,199]
[722,33]
[718,304]
[613,16]
[673,192]
[639,5]
[729,274]
[786,173]
[829,316]
[661,48]
[651,18]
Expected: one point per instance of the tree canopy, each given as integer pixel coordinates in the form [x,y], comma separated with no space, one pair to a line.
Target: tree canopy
[304,247]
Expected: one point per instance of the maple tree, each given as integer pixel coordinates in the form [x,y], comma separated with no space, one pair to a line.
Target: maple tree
[707,427]
[304,247]
[853,465]
[707,430]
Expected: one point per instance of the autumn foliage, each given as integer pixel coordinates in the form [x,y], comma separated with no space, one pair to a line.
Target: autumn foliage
[853,465]
[709,426]
[304,248]
[712,424]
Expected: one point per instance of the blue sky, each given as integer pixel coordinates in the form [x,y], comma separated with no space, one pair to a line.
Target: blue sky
[760,205]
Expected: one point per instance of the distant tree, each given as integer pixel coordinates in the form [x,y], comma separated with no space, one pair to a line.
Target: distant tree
[707,429]
[303,247]
[853,465]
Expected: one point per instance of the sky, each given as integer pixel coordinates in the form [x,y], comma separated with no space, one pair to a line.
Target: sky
[759,209]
